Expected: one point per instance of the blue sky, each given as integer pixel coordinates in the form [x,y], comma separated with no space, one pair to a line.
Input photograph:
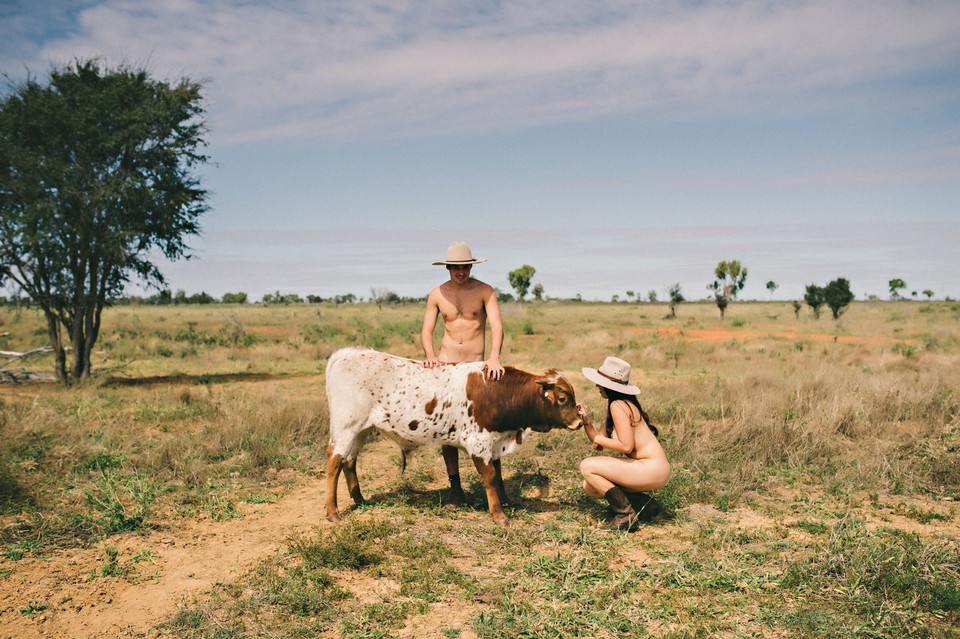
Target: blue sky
[613,145]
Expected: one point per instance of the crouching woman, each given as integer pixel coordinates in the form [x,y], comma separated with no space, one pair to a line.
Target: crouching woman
[627,430]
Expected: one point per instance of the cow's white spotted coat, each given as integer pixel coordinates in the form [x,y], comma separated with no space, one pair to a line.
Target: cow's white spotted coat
[412,405]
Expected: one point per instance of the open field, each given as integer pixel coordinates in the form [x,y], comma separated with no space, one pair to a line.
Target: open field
[816,486]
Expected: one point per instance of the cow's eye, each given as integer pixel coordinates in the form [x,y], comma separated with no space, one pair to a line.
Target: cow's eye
[562,399]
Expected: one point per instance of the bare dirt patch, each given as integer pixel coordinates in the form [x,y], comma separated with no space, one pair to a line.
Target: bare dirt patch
[64,595]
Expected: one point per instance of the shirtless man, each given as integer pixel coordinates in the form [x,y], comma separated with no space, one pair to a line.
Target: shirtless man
[467,305]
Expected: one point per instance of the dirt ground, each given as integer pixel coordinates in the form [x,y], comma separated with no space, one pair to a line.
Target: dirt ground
[185,561]
[188,559]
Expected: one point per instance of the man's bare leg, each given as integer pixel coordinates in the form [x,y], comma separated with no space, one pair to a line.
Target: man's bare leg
[451,458]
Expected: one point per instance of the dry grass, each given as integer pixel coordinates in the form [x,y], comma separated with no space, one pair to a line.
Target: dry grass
[196,409]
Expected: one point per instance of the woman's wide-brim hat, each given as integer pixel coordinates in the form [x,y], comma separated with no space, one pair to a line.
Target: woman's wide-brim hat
[459,254]
[613,374]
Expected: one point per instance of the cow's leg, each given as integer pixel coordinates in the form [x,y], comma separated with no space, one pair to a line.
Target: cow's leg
[451,460]
[334,466]
[353,483]
[490,477]
[501,489]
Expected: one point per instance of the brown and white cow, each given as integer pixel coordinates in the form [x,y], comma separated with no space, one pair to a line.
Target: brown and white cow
[454,405]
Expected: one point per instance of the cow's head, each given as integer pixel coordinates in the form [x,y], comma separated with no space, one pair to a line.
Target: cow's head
[559,398]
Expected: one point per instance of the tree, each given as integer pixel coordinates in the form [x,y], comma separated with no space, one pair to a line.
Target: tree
[520,280]
[895,285]
[928,293]
[814,297]
[538,292]
[676,297]
[731,277]
[837,295]
[772,286]
[96,180]
[234,298]
[381,296]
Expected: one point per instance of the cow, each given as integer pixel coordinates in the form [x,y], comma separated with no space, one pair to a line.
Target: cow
[454,404]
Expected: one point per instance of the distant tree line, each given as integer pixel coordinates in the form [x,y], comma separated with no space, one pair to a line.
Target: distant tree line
[168,298]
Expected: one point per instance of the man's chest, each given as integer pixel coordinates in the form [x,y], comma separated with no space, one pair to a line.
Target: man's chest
[454,305]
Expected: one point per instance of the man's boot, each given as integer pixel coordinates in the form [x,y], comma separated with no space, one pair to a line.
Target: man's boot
[625,517]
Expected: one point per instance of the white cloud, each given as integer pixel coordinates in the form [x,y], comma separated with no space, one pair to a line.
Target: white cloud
[335,70]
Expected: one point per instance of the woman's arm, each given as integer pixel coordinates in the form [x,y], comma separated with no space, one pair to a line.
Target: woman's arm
[588,428]
[623,429]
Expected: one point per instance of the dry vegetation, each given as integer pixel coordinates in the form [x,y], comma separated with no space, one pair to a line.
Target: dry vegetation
[815,488]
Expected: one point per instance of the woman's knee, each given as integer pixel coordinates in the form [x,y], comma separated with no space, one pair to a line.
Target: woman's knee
[584,467]
[588,466]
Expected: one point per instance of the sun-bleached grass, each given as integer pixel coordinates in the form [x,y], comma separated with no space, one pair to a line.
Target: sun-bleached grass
[814,424]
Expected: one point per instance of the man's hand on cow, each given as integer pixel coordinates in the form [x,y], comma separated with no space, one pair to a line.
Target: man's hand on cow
[432,362]
[493,368]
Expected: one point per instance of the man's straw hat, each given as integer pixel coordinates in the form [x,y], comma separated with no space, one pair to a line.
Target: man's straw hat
[459,254]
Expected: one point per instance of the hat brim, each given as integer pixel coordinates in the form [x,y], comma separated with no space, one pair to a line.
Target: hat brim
[594,376]
[461,262]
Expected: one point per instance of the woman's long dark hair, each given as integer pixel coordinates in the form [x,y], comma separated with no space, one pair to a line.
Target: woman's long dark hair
[613,396]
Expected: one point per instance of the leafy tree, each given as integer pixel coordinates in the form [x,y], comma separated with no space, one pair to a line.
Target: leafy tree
[538,292]
[837,295]
[928,293]
[520,280]
[201,298]
[676,297]
[234,298]
[731,277]
[772,286]
[895,285]
[814,297]
[652,296]
[796,308]
[96,180]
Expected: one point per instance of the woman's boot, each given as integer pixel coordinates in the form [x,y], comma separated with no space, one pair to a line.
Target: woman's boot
[625,517]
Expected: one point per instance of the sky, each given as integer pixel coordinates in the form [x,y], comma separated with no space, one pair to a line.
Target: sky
[612,145]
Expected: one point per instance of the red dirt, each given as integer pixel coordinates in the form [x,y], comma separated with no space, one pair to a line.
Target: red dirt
[726,335]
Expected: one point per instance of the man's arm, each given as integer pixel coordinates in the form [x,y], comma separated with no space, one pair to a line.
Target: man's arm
[492,308]
[426,332]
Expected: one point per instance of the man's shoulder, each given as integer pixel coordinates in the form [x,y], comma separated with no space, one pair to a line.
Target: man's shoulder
[481,286]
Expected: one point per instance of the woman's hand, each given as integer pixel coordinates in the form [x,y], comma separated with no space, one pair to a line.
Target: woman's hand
[582,413]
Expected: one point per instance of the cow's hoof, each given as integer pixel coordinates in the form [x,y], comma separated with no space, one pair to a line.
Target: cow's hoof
[335,518]
[504,522]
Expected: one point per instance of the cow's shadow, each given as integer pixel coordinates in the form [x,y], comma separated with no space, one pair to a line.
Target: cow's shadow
[530,492]
[525,491]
